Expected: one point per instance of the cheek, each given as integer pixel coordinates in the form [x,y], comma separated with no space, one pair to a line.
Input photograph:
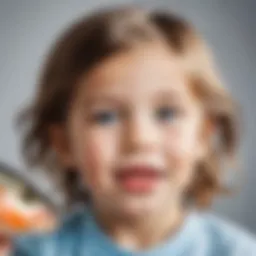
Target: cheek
[96,155]
[182,144]
[182,141]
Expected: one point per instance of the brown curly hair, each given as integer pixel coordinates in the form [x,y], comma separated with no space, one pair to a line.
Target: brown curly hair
[90,40]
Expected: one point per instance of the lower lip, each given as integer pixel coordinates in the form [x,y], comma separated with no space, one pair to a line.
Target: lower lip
[138,184]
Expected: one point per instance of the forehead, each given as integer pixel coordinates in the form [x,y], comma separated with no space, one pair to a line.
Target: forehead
[148,69]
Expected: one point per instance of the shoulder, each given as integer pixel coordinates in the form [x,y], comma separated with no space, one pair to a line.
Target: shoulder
[225,237]
[52,243]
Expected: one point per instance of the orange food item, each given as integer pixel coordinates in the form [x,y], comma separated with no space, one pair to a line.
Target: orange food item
[14,220]
[17,217]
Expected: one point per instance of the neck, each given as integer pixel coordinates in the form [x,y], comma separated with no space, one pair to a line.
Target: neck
[142,232]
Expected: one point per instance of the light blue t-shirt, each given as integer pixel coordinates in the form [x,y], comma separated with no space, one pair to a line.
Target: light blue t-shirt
[201,235]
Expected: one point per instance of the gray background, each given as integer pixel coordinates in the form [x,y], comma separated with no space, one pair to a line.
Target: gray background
[27,27]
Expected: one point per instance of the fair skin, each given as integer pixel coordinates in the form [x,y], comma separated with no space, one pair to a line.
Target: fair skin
[135,108]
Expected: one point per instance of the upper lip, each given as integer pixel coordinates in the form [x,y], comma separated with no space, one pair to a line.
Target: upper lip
[141,169]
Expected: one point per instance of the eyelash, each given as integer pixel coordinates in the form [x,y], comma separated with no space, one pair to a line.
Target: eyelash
[168,113]
[104,117]
[110,117]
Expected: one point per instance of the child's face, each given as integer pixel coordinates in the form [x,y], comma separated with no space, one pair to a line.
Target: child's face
[135,131]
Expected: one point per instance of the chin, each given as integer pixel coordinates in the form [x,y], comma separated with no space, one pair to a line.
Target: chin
[140,206]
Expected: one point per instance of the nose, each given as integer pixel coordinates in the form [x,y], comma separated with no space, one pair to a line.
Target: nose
[141,133]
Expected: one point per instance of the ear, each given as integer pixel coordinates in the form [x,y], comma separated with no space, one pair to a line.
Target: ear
[60,144]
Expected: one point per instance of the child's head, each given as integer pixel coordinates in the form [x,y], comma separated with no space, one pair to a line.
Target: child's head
[129,88]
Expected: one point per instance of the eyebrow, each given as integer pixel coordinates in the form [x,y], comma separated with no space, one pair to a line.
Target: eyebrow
[102,98]
[168,95]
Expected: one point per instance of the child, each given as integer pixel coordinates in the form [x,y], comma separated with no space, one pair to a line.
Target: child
[130,107]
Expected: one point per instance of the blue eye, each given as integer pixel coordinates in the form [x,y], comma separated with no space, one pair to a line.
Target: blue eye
[105,117]
[166,113]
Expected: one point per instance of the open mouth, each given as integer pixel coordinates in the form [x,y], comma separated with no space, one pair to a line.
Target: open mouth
[139,178]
